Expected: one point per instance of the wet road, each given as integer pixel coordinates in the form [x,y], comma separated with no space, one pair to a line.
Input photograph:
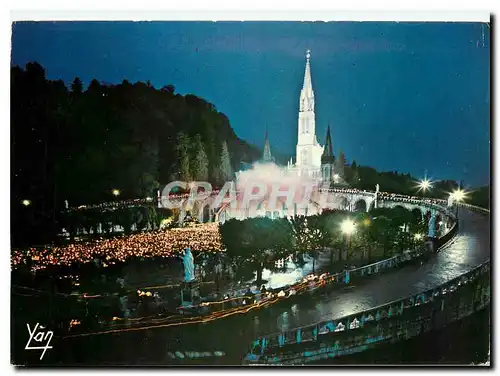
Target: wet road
[233,335]
[470,247]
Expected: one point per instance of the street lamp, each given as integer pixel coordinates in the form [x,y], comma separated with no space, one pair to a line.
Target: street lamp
[424,185]
[115,192]
[348,227]
[457,196]
[26,202]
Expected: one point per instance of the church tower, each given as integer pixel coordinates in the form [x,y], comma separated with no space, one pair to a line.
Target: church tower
[308,158]
[327,159]
[267,156]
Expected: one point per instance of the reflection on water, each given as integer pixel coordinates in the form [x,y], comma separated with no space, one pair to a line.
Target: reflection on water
[292,275]
[465,342]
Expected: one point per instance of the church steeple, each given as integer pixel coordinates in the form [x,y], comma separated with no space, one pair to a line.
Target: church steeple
[308,150]
[267,156]
[307,93]
[327,156]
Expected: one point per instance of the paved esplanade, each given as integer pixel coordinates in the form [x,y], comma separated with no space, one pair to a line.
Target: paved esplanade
[470,247]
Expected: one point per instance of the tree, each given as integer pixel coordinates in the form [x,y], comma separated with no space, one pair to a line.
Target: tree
[77,86]
[257,243]
[169,89]
[121,136]
[226,171]
[200,160]
[182,148]
[310,235]
[339,165]
[355,178]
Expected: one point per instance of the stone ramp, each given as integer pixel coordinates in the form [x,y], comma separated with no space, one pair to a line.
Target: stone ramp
[469,248]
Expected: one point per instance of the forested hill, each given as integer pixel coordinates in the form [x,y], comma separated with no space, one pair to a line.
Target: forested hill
[132,137]
[78,144]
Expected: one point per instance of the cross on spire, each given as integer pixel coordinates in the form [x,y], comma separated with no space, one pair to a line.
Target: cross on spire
[307,76]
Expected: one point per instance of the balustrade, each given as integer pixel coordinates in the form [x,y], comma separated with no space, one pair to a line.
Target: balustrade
[402,318]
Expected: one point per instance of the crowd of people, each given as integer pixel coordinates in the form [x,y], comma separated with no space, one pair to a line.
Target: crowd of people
[165,243]
[133,202]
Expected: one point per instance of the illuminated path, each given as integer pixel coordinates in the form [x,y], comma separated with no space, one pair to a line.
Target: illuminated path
[233,335]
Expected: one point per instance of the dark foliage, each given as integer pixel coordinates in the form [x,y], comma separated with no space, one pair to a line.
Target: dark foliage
[78,145]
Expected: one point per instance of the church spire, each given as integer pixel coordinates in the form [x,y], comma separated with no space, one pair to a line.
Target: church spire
[266,156]
[327,156]
[307,74]
[307,93]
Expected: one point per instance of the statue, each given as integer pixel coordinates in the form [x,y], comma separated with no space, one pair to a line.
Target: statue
[432,227]
[450,201]
[377,187]
[188,261]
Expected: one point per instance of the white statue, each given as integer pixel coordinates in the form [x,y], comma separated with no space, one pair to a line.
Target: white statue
[450,200]
[377,187]
[432,227]
[188,261]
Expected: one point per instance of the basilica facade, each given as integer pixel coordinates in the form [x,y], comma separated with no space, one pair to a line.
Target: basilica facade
[312,160]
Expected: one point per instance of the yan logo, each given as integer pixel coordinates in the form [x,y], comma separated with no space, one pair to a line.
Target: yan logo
[41,339]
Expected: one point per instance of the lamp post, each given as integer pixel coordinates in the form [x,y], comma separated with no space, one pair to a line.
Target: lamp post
[348,227]
[424,185]
[457,196]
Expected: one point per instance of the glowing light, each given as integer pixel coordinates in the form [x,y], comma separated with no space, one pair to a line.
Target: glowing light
[115,192]
[458,195]
[26,202]
[348,227]
[418,236]
[424,185]
[203,238]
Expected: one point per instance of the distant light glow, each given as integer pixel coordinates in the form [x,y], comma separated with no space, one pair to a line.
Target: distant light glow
[115,192]
[424,185]
[26,202]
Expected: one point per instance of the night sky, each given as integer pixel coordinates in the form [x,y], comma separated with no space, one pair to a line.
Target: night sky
[399,96]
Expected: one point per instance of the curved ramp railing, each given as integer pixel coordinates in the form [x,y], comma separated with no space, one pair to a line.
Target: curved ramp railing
[460,296]
[287,346]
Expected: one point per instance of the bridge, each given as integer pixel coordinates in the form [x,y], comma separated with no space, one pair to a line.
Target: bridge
[414,295]
[206,209]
